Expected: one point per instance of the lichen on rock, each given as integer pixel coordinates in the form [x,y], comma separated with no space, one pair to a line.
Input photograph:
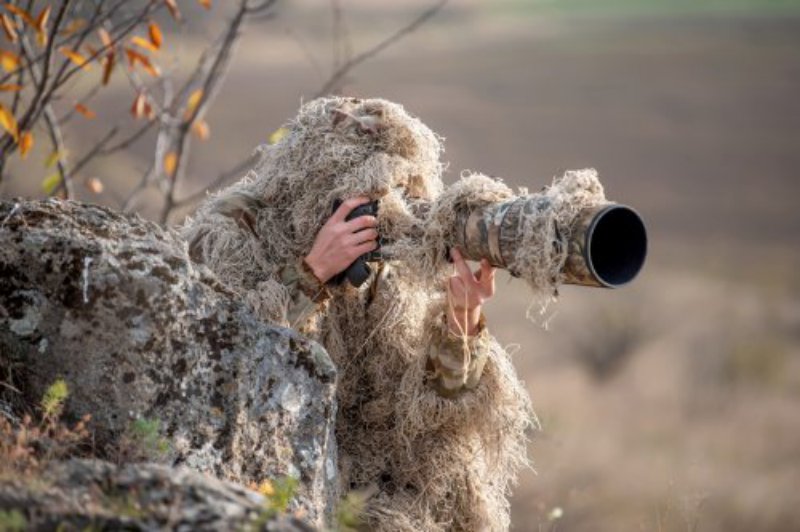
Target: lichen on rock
[114,306]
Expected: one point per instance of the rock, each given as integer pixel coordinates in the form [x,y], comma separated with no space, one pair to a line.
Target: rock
[114,306]
[97,495]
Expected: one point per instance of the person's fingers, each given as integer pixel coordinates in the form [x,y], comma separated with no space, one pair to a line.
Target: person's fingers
[362,236]
[462,268]
[347,206]
[457,290]
[362,222]
[364,247]
[486,278]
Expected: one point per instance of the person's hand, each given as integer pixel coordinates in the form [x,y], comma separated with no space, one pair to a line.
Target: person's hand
[340,242]
[467,291]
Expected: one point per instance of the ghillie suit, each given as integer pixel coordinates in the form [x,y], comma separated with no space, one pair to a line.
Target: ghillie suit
[434,425]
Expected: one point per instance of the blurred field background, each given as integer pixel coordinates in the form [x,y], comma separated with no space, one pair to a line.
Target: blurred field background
[671,404]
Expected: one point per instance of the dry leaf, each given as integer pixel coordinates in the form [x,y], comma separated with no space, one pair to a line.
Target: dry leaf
[85,111]
[139,104]
[9,60]
[194,100]
[172,5]
[51,182]
[24,15]
[170,163]
[41,20]
[156,37]
[76,58]
[25,143]
[205,3]
[136,57]
[8,122]
[277,135]
[201,129]
[8,27]
[108,66]
[73,26]
[105,38]
[54,157]
[94,185]
[10,87]
[41,38]
[144,43]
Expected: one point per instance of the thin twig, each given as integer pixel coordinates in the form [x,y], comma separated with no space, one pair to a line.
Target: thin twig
[213,80]
[224,177]
[95,151]
[83,101]
[38,99]
[126,143]
[53,128]
[347,66]
[91,26]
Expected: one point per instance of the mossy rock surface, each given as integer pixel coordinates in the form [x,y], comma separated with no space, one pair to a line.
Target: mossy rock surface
[113,305]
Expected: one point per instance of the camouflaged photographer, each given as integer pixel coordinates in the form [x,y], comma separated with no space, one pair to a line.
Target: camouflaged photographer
[432,425]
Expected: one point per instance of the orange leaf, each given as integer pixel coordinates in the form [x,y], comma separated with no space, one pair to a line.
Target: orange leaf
[8,122]
[156,37]
[85,111]
[94,185]
[73,26]
[8,27]
[10,87]
[205,3]
[172,5]
[105,38]
[41,20]
[138,107]
[9,60]
[75,57]
[108,66]
[201,129]
[144,43]
[170,163]
[136,57]
[24,15]
[194,100]
[41,38]
[25,143]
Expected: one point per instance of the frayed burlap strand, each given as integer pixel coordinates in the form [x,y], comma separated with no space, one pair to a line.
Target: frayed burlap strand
[434,463]
[537,260]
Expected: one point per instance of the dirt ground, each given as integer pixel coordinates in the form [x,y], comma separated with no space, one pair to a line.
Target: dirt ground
[671,404]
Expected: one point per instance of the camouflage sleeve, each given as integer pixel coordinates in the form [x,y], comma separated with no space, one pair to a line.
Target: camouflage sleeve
[455,363]
[306,292]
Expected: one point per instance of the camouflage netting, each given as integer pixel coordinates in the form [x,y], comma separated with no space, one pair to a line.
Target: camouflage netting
[437,463]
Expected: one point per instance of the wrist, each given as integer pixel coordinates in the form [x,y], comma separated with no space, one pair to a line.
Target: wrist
[315,269]
[461,321]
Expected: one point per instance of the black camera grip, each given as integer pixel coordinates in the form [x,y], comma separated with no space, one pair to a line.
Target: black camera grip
[358,272]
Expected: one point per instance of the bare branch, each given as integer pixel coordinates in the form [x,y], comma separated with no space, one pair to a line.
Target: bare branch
[96,150]
[128,142]
[98,17]
[221,179]
[83,101]
[53,129]
[39,98]
[216,72]
[346,67]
